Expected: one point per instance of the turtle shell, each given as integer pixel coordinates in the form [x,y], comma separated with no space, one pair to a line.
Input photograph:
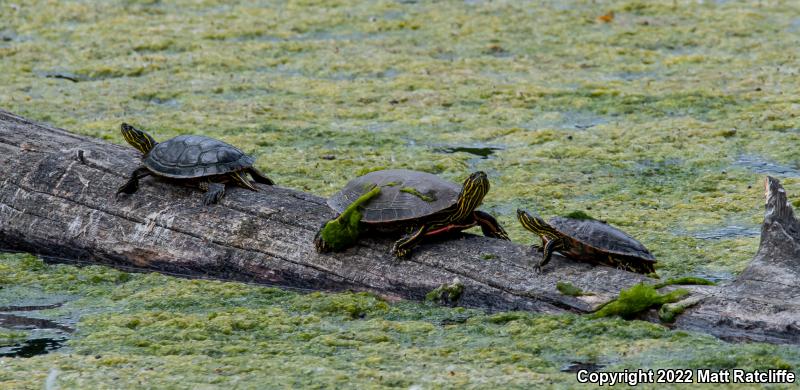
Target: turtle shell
[601,237]
[405,195]
[190,156]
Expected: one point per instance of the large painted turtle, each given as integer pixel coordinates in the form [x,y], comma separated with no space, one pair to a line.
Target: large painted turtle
[589,240]
[418,203]
[208,162]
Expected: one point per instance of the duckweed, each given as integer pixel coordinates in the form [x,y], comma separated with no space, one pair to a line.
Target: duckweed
[160,331]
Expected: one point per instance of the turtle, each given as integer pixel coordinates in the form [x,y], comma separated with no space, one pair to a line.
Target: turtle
[588,239]
[206,162]
[417,203]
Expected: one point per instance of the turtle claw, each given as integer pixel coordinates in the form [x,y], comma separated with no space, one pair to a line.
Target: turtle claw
[321,245]
[400,253]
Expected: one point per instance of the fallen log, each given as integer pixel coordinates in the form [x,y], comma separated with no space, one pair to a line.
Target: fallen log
[57,200]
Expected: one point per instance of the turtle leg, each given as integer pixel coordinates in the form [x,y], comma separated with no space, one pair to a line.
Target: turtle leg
[260,177]
[214,192]
[489,225]
[402,247]
[132,185]
[549,247]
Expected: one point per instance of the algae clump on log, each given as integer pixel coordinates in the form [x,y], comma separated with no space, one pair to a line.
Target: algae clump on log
[637,299]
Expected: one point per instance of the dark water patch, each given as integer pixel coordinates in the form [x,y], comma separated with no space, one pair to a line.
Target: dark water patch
[483,152]
[576,366]
[64,76]
[31,307]
[33,347]
[7,35]
[762,165]
[12,321]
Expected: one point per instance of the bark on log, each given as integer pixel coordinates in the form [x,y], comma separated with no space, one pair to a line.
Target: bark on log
[57,199]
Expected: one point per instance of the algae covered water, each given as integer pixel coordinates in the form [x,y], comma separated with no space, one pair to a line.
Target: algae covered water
[659,117]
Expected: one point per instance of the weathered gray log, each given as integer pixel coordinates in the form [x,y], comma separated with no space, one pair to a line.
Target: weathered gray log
[57,199]
[763,304]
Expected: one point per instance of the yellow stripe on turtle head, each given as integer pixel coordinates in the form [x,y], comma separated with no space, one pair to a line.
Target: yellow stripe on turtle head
[137,138]
[537,225]
[475,187]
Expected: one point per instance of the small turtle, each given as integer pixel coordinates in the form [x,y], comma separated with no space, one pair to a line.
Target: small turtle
[419,203]
[590,240]
[207,162]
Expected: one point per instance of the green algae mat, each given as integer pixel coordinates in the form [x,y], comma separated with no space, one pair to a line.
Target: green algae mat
[662,120]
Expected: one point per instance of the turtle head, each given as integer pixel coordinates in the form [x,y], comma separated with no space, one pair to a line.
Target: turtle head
[137,138]
[536,224]
[475,188]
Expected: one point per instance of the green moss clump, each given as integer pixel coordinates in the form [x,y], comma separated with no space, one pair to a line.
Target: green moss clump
[636,300]
[684,281]
[669,311]
[343,231]
[446,294]
[567,288]
[415,192]
[578,214]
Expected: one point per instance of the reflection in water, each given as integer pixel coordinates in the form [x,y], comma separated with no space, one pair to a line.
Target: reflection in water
[483,152]
[32,347]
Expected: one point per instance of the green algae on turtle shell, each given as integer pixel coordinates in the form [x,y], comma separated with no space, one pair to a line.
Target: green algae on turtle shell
[415,192]
[578,214]
[344,230]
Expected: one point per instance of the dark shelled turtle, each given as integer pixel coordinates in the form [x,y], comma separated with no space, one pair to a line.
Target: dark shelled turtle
[207,162]
[589,240]
[418,203]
